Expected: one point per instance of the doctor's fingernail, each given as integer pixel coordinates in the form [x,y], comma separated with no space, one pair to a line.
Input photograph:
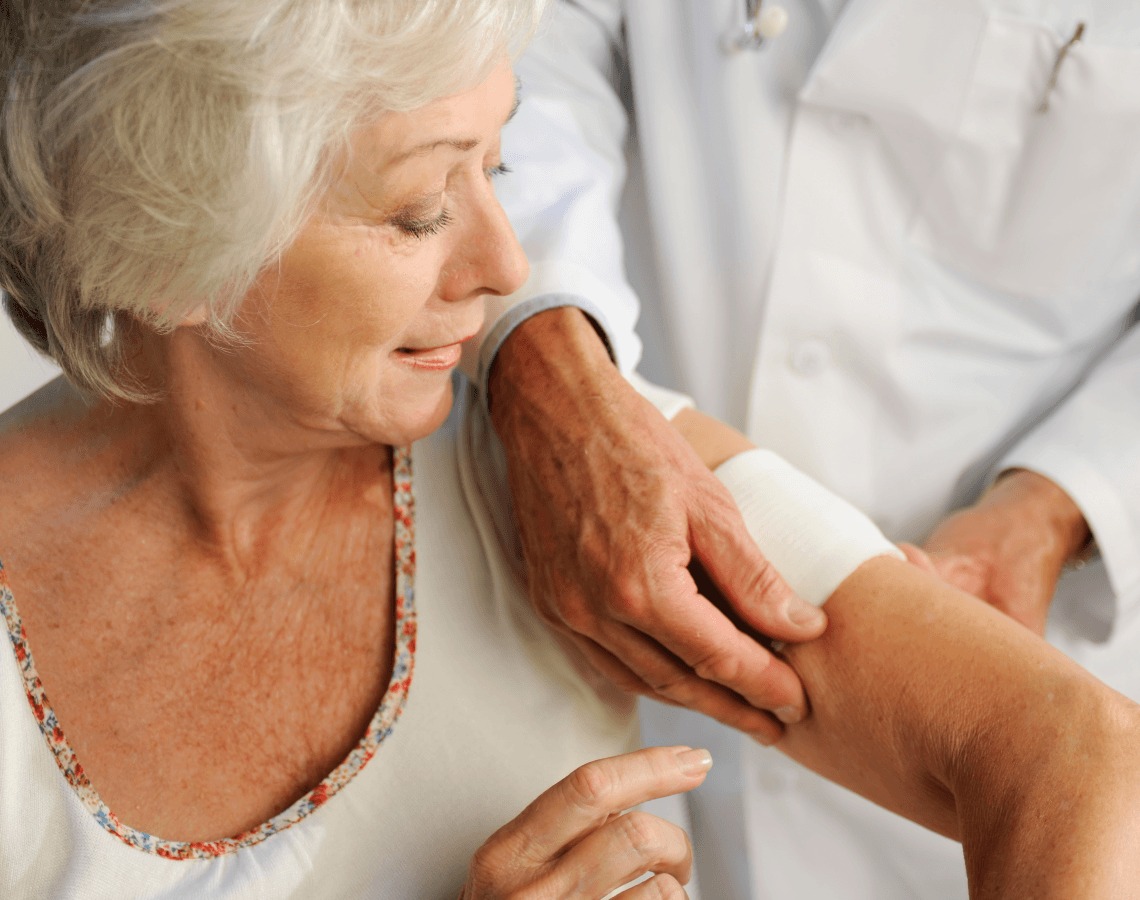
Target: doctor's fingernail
[789,715]
[694,762]
[800,612]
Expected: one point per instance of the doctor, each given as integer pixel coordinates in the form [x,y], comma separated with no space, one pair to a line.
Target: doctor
[900,245]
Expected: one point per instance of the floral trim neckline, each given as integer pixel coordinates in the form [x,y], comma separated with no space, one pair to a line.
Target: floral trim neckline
[379,728]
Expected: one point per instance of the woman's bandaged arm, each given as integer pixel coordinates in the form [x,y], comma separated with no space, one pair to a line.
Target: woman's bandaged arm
[932,704]
[812,537]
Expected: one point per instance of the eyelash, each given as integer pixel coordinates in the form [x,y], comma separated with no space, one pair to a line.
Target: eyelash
[423,228]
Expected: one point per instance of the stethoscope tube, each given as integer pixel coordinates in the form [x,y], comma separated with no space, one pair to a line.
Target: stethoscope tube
[761,23]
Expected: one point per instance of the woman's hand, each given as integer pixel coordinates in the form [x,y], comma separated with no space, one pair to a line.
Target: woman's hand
[576,841]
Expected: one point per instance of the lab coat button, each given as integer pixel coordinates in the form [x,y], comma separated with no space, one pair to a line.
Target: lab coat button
[810,358]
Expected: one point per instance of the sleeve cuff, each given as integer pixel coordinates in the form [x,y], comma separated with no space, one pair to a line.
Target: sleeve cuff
[552,285]
[1117,571]
[477,364]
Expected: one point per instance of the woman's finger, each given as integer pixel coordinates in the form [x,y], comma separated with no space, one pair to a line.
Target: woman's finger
[616,854]
[659,887]
[582,801]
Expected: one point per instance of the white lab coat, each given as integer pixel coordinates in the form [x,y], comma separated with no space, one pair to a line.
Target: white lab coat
[865,246]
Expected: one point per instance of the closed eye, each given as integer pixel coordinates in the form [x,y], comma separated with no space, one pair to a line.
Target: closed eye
[421,228]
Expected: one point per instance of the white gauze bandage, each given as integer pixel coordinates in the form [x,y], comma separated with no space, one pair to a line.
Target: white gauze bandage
[812,537]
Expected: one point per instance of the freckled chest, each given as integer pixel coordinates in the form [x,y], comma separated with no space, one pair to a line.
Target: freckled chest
[198,704]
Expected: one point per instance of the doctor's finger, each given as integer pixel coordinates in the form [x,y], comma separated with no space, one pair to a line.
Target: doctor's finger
[685,688]
[709,642]
[623,849]
[613,668]
[750,585]
[584,801]
[680,674]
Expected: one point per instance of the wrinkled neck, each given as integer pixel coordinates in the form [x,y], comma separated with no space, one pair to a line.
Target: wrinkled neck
[234,458]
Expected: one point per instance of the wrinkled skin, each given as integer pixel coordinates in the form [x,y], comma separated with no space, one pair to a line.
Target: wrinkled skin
[613,506]
[575,840]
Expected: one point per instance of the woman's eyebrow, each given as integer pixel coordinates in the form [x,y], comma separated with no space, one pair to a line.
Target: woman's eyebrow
[460,144]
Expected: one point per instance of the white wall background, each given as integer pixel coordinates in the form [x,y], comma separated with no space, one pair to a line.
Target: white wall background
[22,370]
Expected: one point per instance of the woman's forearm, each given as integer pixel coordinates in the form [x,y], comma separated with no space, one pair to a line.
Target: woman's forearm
[933,704]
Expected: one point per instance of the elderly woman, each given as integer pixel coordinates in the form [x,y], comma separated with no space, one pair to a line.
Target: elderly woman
[263,646]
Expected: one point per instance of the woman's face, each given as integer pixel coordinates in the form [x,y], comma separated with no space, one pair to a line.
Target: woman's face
[360,326]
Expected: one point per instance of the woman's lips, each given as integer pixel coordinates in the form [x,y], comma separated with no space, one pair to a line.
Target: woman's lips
[439,358]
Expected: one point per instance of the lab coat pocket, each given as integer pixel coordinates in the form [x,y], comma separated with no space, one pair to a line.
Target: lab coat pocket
[1037,191]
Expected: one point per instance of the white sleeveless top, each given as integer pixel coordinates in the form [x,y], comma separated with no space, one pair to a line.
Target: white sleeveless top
[483,713]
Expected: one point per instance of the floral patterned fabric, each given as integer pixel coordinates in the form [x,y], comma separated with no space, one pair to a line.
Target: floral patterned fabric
[391,706]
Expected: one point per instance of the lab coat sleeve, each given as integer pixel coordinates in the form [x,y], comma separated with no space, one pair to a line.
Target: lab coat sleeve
[566,150]
[1090,446]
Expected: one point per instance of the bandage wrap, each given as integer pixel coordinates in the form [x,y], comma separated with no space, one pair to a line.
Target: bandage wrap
[812,537]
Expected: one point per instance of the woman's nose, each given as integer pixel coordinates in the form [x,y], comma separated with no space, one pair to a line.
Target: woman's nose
[511,267]
[490,259]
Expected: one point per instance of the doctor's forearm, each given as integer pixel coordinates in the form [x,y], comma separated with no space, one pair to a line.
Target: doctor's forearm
[554,361]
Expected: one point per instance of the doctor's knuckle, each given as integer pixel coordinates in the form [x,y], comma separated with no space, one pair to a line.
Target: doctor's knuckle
[625,680]
[629,602]
[678,685]
[763,585]
[720,665]
[575,616]
[715,501]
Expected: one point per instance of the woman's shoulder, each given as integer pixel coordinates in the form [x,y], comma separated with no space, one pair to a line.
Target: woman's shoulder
[41,440]
[54,402]
[33,432]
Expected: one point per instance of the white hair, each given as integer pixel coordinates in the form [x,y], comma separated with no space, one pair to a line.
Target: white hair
[155,155]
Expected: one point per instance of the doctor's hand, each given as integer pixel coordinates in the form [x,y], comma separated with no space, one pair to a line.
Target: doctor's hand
[1010,547]
[576,841]
[613,506]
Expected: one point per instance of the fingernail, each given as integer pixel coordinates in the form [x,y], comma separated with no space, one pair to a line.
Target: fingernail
[693,762]
[800,612]
[789,715]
